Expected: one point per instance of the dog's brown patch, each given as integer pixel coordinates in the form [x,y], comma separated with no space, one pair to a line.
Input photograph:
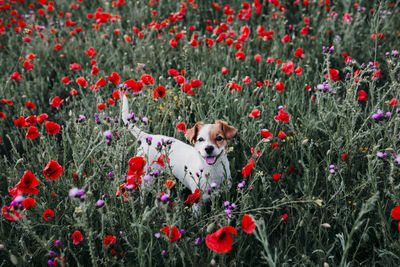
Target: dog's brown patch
[191,134]
[222,129]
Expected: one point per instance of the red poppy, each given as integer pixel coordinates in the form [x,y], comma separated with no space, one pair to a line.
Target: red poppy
[10,214]
[333,74]
[276,176]
[82,82]
[362,95]
[159,92]
[31,120]
[286,38]
[195,83]
[173,72]
[281,135]
[169,183]
[30,105]
[26,184]
[172,235]
[161,160]
[298,71]
[94,71]
[136,164]
[255,113]
[344,157]
[16,76]
[393,102]
[48,213]
[52,127]
[90,52]
[111,101]
[147,79]
[194,198]
[396,213]
[131,84]
[221,241]
[181,127]
[266,134]
[32,133]
[224,70]
[173,43]
[299,53]
[75,66]
[53,170]
[246,171]
[115,94]
[101,106]
[29,203]
[6,101]
[114,78]
[257,57]
[288,67]
[179,79]
[279,86]
[56,102]
[101,82]
[240,55]
[21,122]
[285,217]
[66,80]
[76,237]
[42,118]
[282,116]
[109,240]
[248,224]
[2,115]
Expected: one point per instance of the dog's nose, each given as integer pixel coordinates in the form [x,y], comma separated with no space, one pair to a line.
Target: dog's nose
[209,149]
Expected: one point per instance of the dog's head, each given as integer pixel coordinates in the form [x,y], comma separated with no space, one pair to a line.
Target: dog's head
[210,140]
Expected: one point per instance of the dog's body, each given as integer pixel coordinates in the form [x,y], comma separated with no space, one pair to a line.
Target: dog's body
[196,167]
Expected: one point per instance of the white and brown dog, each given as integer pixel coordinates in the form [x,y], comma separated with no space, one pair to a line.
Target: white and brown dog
[199,167]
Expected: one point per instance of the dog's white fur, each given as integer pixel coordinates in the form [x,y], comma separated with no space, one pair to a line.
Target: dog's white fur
[189,164]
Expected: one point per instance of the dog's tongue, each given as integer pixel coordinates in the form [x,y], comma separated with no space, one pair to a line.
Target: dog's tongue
[210,160]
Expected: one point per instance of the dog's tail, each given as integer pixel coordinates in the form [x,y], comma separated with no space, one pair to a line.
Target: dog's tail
[126,115]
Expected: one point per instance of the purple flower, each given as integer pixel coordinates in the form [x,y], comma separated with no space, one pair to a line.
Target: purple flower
[242,184]
[388,114]
[397,159]
[99,203]
[157,235]
[164,197]
[377,115]
[145,120]
[73,192]
[332,171]
[226,203]
[182,231]
[197,240]
[163,252]
[107,134]
[51,253]
[110,174]
[147,178]
[50,262]
[381,155]
[228,212]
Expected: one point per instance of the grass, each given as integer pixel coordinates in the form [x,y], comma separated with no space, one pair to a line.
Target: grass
[338,218]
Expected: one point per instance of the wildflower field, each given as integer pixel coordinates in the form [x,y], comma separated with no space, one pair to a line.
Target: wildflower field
[312,86]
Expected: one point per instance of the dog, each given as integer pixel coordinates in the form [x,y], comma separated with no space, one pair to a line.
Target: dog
[201,166]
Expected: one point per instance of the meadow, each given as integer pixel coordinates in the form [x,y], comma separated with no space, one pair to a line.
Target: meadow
[312,87]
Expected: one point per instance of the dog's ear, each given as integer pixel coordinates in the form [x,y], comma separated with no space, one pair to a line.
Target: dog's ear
[229,131]
[191,134]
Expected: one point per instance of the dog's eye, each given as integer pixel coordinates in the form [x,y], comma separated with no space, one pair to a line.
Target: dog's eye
[219,138]
[201,139]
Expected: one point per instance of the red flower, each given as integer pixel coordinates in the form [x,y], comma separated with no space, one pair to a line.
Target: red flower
[75,66]
[181,127]
[101,106]
[266,134]
[90,52]
[42,118]
[76,237]
[248,224]
[29,203]
[6,101]
[279,86]
[136,164]
[288,67]
[246,171]
[169,183]
[281,135]
[31,120]
[32,133]
[48,213]
[131,84]
[14,214]
[299,53]
[285,217]
[159,92]
[101,82]
[286,38]
[173,42]
[282,116]
[53,170]
[173,72]
[147,79]
[114,78]
[333,74]
[194,198]
[109,240]
[56,102]
[21,122]
[224,70]
[82,82]
[172,235]
[30,105]
[344,157]
[94,71]
[180,79]
[66,80]
[16,76]
[362,95]
[161,160]
[26,184]
[221,241]
[298,70]
[396,213]
[240,55]
[52,127]
[255,113]
[393,102]
[276,176]
[195,83]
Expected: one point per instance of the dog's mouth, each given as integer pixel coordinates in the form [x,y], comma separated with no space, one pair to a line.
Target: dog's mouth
[210,160]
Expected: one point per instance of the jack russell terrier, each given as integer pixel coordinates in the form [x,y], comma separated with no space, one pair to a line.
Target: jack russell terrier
[196,167]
